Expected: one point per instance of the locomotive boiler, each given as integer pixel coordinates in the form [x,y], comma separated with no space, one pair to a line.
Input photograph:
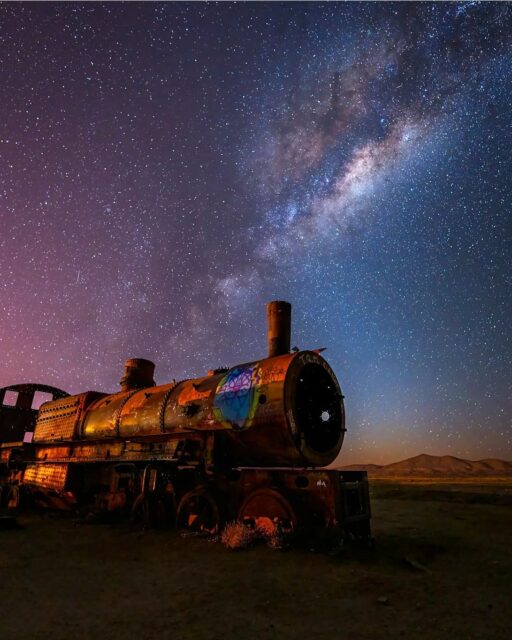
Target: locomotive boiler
[250,442]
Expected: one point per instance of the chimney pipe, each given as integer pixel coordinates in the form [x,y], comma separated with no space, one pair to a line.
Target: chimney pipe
[279,317]
[138,374]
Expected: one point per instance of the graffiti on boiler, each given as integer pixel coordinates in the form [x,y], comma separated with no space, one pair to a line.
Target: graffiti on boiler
[237,396]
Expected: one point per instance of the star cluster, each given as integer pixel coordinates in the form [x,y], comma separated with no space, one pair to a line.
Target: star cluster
[166,169]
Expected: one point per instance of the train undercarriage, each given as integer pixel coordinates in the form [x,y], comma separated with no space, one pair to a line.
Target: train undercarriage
[324,505]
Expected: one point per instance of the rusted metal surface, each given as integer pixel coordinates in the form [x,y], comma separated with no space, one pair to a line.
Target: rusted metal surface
[279,318]
[138,374]
[292,422]
[60,419]
[114,451]
[266,506]
[308,498]
[282,410]
[127,414]
[47,476]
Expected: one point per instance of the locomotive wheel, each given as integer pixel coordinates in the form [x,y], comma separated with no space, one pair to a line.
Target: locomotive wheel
[140,513]
[268,510]
[199,512]
[153,510]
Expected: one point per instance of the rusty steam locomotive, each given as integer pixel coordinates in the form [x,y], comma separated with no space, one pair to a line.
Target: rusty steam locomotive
[250,443]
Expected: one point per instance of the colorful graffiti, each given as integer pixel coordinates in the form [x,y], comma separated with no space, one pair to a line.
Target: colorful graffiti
[237,396]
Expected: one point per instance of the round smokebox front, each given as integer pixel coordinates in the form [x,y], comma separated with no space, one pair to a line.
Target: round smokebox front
[314,408]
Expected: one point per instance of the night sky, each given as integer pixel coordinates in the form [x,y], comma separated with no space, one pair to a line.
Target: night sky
[166,169]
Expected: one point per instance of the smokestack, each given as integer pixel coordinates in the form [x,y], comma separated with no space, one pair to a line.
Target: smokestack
[138,374]
[279,318]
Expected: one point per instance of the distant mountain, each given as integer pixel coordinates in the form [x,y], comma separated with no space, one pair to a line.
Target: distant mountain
[361,467]
[425,466]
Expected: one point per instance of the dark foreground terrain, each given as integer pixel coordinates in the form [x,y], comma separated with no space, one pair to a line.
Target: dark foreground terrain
[442,568]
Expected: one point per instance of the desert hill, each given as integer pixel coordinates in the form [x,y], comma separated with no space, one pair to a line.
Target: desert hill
[427,466]
[362,467]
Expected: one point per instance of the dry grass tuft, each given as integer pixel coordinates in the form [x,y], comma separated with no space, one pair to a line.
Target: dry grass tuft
[239,535]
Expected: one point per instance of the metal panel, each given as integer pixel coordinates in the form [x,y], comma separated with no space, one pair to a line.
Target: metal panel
[59,419]
[47,476]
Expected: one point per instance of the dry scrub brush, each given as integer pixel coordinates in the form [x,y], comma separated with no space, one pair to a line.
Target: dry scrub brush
[239,535]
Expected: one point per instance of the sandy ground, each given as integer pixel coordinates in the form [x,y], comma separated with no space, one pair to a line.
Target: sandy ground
[440,570]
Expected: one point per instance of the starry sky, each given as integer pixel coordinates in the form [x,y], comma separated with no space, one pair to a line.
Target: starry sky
[166,169]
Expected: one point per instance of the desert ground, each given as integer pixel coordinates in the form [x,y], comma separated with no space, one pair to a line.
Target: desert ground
[441,569]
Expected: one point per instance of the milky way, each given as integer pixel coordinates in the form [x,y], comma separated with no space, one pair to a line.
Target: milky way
[168,168]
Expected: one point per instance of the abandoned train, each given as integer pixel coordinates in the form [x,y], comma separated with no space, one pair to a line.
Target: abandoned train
[250,443]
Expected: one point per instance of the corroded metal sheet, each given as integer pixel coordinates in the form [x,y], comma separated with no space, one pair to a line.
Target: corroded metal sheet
[56,452]
[233,400]
[324,497]
[101,420]
[59,419]
[143,413]
[106,451]
[47,476]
